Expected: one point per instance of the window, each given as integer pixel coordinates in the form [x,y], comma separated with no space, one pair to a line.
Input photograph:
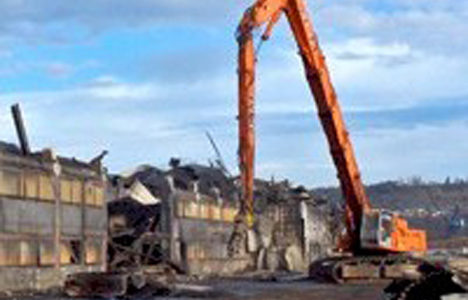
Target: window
[93,251]
[46,191]
[10,183]
[76,251]
[98,196]
[203,210]
[28,253]
[229,214]
[70,252]
[77,191]
[46,253]
[89,194]
[180,207]
[386,229]
[94,194]
[31,185]
[66,190]
[370,229]
[9,253]
[65,253]
[192,209]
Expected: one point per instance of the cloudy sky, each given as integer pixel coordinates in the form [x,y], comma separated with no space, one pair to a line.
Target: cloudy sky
[145,79]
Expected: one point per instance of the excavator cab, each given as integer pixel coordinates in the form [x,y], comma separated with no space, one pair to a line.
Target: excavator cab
[385,231]
[376,229]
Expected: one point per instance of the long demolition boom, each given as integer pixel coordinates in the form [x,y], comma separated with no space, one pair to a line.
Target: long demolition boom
[318,77]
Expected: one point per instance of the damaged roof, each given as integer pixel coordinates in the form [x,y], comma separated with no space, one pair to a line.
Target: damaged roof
[13,149]
[208,178]
[9,148]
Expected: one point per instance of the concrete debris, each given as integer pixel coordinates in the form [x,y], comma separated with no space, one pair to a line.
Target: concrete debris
[106,285]
[455,297]
[293,258]
[140,193]
[237,244]
[137,284]
[272,259]
[194,291]
[127,214]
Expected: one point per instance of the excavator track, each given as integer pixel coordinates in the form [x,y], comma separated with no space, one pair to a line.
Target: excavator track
[364,268]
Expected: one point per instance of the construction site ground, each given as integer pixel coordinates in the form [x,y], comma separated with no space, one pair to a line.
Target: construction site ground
[248,289]
[301,289]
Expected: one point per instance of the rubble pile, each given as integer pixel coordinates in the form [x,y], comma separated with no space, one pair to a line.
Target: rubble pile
[293,227]
[436,282]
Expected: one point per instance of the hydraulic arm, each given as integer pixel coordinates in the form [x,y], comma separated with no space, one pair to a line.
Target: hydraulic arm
[318,77]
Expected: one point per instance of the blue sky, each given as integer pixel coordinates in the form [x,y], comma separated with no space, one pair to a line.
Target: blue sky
[145,79]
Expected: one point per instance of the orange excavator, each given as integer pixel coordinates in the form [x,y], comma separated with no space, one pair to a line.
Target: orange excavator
[377,240]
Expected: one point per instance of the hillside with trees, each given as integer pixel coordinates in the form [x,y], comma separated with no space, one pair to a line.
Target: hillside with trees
[439,207]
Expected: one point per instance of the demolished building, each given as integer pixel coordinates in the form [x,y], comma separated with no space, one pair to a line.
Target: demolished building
[294,227]
[197,210]
[52,218]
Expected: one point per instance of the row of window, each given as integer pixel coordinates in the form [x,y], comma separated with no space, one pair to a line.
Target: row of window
[39,186]
[206,250]
[191,209]
[41,253]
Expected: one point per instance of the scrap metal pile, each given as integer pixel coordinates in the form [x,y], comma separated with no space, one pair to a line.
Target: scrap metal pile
[135,260]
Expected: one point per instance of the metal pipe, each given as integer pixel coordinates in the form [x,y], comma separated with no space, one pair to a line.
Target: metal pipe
[20,129]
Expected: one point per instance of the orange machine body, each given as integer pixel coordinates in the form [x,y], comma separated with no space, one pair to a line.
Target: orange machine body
[407,239]
[386,231]
[358,206]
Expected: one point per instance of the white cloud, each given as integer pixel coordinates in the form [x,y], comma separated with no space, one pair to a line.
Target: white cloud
[366,47]
[433,26]
[367,75]
[122,92]
[104,80]
[11,66]
[110,112]
[43,20]
[433,152]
